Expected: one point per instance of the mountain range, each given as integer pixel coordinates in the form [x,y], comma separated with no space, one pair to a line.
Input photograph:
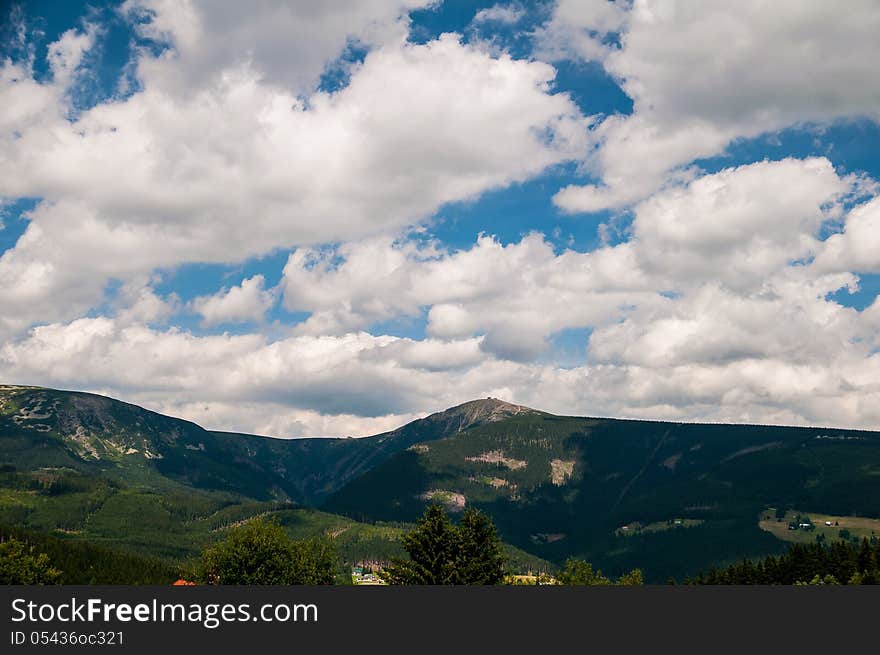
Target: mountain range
[671,498]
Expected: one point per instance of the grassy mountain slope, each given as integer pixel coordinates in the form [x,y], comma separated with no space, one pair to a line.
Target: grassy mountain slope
[561,486]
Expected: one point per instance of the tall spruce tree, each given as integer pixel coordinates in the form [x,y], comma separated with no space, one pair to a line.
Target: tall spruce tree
[441,553]
[431,549]
[479,559]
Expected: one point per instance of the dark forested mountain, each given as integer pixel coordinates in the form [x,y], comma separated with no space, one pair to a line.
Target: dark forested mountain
[671,498]
[87,467]
[93,434]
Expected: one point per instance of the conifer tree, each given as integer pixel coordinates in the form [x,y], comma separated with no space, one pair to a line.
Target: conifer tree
[479,559]
[441,553]
[431,549]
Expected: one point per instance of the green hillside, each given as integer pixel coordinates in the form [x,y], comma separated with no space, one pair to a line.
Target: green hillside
[44,428]
[120,479]
[563,486]
[81,562]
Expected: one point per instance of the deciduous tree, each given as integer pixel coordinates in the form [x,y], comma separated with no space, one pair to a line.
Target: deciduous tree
[20,564]
[260,553]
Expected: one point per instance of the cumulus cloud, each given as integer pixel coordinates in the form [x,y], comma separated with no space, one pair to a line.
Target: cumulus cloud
[716,305]
[516,295]
[741,225]
[275,419]
[737,228]
[716,308]
[857,247]
[242,167]
[579,29]
[356,374]
[701,75]
[66,54]
[723,279]
[360,384]
[286,42]
[138,302]
[504,14]
[249,301]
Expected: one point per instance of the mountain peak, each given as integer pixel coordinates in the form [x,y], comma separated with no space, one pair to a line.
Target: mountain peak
[475,412]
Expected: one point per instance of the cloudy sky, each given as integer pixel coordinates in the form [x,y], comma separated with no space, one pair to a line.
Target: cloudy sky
[328,218]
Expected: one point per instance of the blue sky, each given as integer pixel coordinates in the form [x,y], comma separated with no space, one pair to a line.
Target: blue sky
[238,213]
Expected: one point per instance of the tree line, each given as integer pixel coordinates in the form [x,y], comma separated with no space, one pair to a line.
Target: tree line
[29,557]
[840,562]
[439,552]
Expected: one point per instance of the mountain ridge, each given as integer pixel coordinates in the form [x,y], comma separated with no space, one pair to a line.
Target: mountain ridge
[97,429]
[556,486]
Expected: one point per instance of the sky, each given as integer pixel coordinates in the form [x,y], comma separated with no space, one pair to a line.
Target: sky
[327,219]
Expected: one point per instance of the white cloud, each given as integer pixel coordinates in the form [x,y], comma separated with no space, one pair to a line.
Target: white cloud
[788,320]
[351,375]
[66,54]
[240,167]
[717,283]
[578,29]
[249,301]
[701,75]
[715,307]
[138,302]
[505,14]
[857,248]
[286,42]
[360,384]
[516,295]
[275,419]
[738,226]
[712,310]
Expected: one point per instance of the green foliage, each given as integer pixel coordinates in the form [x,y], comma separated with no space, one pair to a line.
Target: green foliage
[431,550]
[261,553]
[441,553]
[81,562]
[828,579]
[812,563]
[632,579]
[580,573]
[20,564]
[480,559]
